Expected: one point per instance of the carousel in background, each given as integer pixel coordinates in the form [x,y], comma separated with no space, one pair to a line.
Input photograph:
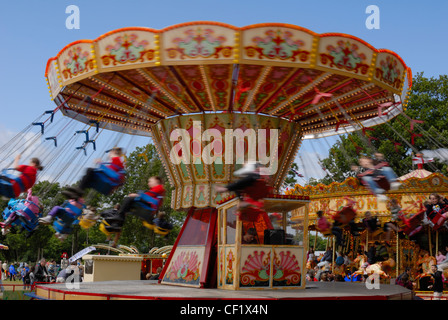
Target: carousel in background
[414,246]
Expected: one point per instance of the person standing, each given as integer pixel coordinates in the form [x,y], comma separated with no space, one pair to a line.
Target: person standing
[1,283]
[41,273]
[23,272]
[31,276]
[4,267]
[440,257]
[12,272]
[437,286]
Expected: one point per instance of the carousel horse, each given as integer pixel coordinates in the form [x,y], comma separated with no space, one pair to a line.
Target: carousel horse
[360,263]
[382,268]
[310,264]
[426,262]
[339,267]
[22,212]
[424,277]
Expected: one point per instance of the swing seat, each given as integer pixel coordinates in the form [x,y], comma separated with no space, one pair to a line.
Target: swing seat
[412,223]
[149,224]
[438,220]
[105,180]
[10,208]
[258,190]
[65,221]
[379,179]
[382,182]
[325,233]
[345,215]
[6,184]
[27,218]
[108,224]
[162,227]
[108,229]
[60,227]
[161,231]
[377,232]
[87,224]
[146,206]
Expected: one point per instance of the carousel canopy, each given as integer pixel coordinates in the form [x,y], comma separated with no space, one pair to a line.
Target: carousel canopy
[129,79]
[330,198]
[287,80]
[419,173]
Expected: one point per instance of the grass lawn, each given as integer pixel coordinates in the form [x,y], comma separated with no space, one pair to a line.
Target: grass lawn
[12,285]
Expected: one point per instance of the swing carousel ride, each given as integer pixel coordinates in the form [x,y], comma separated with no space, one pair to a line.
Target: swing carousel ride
[198,76]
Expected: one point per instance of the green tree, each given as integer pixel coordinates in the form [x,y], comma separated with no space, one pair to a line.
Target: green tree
[291,176]
[49,194]
[320,242]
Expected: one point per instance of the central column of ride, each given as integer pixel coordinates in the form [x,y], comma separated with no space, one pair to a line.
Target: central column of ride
[203,150]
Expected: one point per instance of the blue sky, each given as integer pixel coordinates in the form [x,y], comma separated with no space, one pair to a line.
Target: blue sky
[34,31]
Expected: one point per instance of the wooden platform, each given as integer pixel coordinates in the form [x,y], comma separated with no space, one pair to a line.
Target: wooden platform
[151,290]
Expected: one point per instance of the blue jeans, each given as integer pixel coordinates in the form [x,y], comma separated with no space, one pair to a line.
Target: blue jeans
[372,184]
[387,172]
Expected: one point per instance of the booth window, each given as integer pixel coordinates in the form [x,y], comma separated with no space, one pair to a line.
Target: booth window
[88,266]
[196,230]
[231,225]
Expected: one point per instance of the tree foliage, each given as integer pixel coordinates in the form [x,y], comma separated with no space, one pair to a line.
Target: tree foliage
[428,102]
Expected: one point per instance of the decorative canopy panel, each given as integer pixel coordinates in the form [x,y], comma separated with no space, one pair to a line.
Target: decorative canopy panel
[196,167]
[330,198]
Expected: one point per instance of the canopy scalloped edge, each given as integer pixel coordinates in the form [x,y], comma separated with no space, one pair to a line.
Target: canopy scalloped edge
[343,55]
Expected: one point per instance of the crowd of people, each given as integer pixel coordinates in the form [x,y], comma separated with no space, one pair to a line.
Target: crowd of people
[339,266]
[43,271]
[428,273]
